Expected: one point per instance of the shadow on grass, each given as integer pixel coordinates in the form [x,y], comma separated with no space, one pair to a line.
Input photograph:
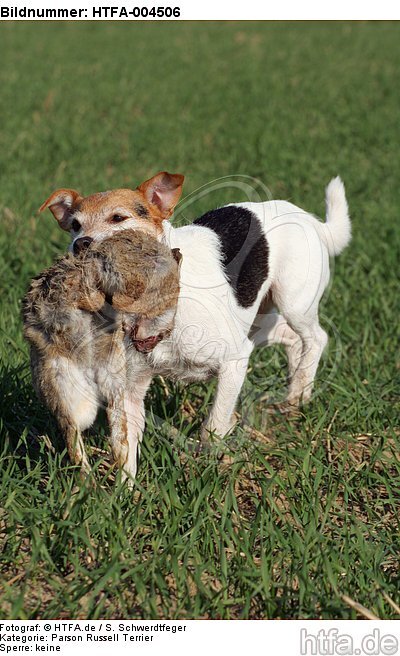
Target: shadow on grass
[25,422]
[27,426]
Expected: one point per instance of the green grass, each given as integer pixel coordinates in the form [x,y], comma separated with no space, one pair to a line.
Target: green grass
[297,512]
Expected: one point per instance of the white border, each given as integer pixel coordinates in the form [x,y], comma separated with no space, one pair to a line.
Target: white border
[309,10]
[232,637]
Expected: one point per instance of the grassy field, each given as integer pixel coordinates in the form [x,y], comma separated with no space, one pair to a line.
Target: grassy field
[300,513]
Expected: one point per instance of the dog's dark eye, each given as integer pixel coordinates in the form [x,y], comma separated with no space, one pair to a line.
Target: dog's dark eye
[75,225]
[117,218]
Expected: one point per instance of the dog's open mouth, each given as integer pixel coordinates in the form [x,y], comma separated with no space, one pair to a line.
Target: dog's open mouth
[147,344]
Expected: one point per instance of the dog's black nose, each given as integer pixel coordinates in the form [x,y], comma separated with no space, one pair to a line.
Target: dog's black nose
[81,244]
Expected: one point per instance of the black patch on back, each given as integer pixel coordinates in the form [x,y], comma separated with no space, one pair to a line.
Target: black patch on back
[141,211]
[244,249]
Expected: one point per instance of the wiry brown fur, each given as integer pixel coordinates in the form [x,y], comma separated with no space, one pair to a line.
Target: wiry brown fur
[78,317]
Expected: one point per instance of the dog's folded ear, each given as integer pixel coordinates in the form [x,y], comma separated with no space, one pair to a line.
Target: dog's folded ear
[163,191]
[62,204]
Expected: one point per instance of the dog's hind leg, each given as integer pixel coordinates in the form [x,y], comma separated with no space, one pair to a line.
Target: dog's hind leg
[313,341]
[297,293]
[272,328]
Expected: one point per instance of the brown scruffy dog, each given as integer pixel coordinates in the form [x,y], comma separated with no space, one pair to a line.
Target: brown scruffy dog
[82,317]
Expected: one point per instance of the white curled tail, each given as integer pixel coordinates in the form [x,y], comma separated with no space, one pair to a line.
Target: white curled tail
[336,232]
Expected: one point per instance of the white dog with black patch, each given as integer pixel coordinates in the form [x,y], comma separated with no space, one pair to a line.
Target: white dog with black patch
[251,274]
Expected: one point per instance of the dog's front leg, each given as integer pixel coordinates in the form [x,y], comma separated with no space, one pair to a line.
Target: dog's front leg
[127,419]
[118,424]
[73,439]
[230,380]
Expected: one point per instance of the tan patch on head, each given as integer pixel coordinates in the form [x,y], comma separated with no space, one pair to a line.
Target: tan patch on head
[103,213]
[120,208]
